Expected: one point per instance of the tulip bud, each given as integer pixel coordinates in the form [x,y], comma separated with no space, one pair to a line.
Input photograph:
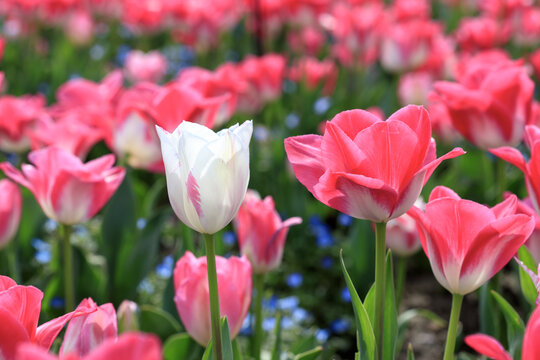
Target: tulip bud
[128,316]
[207,173]
[10,211]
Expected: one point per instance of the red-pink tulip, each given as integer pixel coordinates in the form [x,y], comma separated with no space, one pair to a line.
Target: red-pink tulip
[18,115]
[129,346]
[192,298]
[87,332]
[19,314]
[487,346]
[526,206]
[10,211]
[490,347]
[67,190]
[530,169]
[402,235]
[261,232]
[140,66]
[491,104]
[467,243]
[359,167]
[314,73]
[413,88]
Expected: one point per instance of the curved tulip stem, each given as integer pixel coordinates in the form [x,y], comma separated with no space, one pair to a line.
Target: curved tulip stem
[380,283]
[69,289]
[457,300]
[214,296]
[258,281]
[13,265]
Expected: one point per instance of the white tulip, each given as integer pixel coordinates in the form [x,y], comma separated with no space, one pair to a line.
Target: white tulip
[207,173]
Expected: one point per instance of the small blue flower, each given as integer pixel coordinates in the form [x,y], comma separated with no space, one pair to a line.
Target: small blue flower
[261,133]
[292,121]
[13,159]
[324,240]
[97,52]
[164,270]
[286,323]
[269,324]
[294,280]
[345,295]
[327,262]
[121,54]
[344,220]
[299,314]
[288,303]
[58,302]
[50,225]
[146,286]
[141,223]
[271,303]
[322,335]
[321,105]
[43,257]
[339,326]
[246,329]
[229,238]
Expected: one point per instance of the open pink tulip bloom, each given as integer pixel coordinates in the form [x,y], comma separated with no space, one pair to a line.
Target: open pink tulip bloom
[192,297]
[19,314]
[67,190]
[466,242]
[261,232]
[365,167]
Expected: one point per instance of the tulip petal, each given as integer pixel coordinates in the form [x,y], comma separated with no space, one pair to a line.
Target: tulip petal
[430,167]
[12,333]
[351,122]
[440,192]
[481,262]
[29,351]
[24,303]
[487,346]
[506,208]
[531,350]
[340,153]
[6,282]
[129,346]
[511,155]
[304,153]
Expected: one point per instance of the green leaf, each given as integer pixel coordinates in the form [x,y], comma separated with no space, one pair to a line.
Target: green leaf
[390,312]
[309,355]
[527,286]
[157,321]
[364,331]
[208,352]
[514,324]
[410,352]
[237,353]
[226,346]
[276,350]
[303,344]
[177,347]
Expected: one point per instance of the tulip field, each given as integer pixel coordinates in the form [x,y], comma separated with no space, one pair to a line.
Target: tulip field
[269,179]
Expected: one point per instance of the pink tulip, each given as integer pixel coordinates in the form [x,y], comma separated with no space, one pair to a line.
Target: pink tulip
[359,165]
[261,233]
[314,73]
[140,66]
[192,299]
[86,333]
[19,314]
[467,243]
[67,190]
[18,115]
[491,104]
[487,346]
[526,206]
[129,346]
[10,211]
[530,169]
[480,33]
[401,234]
[490,347]
[413,88]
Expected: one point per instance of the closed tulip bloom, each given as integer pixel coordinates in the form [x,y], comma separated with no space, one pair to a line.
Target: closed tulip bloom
[129,346]
[20,307]
[10,211]
[466,242]
[140,66]
[401,234]
[365,167]
[192,298]
[86,332]
[67,190]
[491,104]
[261,232]
[207,173]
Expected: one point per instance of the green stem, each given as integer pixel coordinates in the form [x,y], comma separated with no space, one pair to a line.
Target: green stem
[214,296]
[401,275]
[457,300]
[500,179]
[69,289]
[13,264]
[380,283]
[258,281]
